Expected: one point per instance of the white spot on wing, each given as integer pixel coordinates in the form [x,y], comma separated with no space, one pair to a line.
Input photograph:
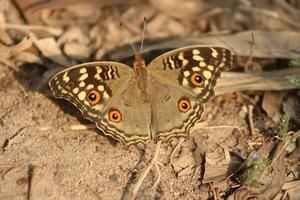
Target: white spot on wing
[196,52]
[207,74]
[82,84]
[186,73]
[65,77]
[198,58]
[82,70]
[101,88]
[90,86]
[196,69]
[82,95]
[83,77]
[75,90]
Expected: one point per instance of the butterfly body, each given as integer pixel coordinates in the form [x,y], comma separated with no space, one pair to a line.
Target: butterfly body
[155,102]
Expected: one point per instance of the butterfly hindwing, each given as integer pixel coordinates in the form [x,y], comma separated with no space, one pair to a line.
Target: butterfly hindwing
[173,112]
[133,117]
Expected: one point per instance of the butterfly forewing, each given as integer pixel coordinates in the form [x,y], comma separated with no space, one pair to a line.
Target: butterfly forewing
[193,69]
[91,86]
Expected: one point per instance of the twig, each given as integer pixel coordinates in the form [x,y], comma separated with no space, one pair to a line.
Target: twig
[176,148]
[251,52]
[7,140]
[158,178]
[29,175]
[26,28]
[250,118]
[146,171]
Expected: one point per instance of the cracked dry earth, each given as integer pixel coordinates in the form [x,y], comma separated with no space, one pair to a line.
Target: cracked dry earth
[42,158]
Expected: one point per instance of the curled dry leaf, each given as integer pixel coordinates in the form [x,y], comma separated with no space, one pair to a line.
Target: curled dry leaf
[162,26]
[12,54]
[74,34]
[272,102]
[292,189]
[77,51]
[185,163]
[95,35]
[50,49]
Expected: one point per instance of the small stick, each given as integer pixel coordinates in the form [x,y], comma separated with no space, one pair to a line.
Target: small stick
[251,52]
[158,178]
[250,118]
[53,31]
[146,171]
[29,179]
[176,148]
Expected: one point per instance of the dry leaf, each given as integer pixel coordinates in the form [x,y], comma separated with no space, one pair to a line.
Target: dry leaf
[50,49]
[292,189]
[7,53]
[74,34]
[272,102]
[77,51]
[28,57]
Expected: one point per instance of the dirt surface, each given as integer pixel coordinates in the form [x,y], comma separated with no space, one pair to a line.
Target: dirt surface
[68,164]
[46,154]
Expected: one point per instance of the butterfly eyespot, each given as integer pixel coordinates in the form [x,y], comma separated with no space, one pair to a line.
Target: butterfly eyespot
[115,115]
[94,97]
[184,105]
[197,79]
[71,84]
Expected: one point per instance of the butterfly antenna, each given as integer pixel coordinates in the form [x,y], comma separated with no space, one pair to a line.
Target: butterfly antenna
[135,52]
[143,36]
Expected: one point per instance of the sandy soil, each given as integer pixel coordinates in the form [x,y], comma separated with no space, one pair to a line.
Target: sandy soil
[41,157]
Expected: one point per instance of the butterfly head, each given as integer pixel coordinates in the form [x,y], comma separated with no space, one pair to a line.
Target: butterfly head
[138,62]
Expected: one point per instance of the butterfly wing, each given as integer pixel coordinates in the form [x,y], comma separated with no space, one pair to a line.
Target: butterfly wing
[103,91]
[187,75]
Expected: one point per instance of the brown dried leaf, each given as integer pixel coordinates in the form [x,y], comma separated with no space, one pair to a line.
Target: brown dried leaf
[292,189]
[50,49]
[28,57]
[7,54]
[272,102]
[74,34]
[77,51]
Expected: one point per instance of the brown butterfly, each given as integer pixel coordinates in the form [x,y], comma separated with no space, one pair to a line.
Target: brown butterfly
[155,102]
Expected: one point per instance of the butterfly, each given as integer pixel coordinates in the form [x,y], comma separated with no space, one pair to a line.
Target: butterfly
[158,101]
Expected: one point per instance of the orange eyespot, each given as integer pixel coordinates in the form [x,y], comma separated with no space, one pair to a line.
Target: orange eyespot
[184,105]
[115,116]
[94,97]
[197,79]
